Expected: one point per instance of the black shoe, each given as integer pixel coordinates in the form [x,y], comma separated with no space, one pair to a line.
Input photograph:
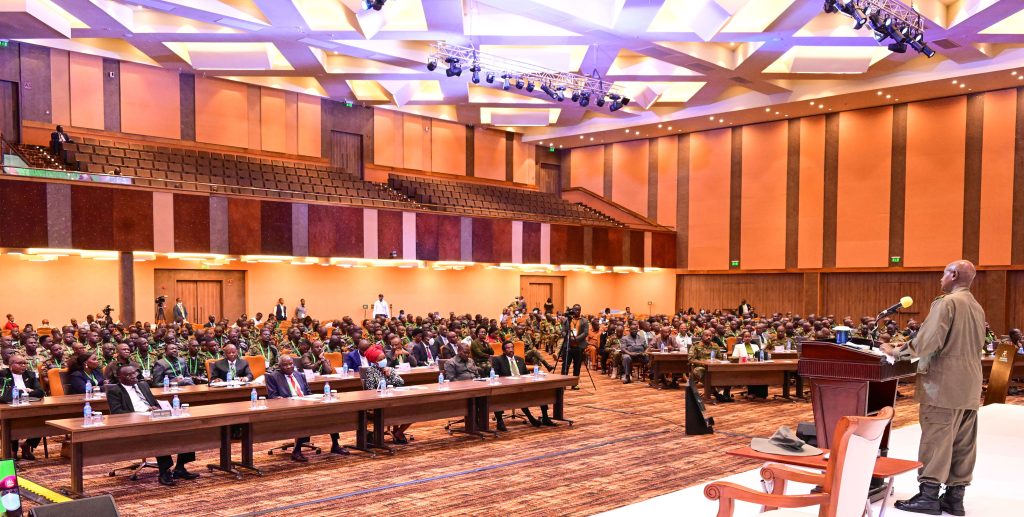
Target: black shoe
[550,368]
[166,479]
[952,500]
[534,422]
[26,454]
[298,457]
[337,449]
[548,422]
[184,474]
[574,388]
[400,441]
[926,501]
[627,380]
[501,426]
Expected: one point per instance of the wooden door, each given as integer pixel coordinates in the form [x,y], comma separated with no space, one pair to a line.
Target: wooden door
[537,290]
[547,179]
[202,298]
[537,294]
[347,152]
[9,111]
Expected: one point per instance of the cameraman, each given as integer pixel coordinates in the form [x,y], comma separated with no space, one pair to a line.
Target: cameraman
[576,329]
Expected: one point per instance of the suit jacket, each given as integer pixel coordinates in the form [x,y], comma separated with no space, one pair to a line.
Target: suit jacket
[277,384]
[163,367]
[31,384]
[77,380]
[353,360]
[419,352]
[281,312]
[119,401]
[180,312]
[582,331]
[220,369]
[503,369]
[448,349]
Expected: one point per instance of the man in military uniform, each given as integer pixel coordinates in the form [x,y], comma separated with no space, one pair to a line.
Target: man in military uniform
[701,351]
[531,355]
[948,389]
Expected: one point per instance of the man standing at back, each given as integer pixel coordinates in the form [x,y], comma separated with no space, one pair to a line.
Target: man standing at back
[380,307]
[949,390]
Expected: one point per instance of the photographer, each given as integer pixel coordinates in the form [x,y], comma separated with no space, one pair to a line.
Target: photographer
[576,329]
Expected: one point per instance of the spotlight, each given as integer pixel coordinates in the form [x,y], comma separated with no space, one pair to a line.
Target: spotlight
[476,73]
[505,84]
[616,106]
[432,65]
[575,96]
[547,89]
[490,77]
[584,99]
[519,83]
[560,94]
[376,5]
[898,48]
[625,101]
[917,43]
[850,9]
[529,86]
[453,67]
[830,6]
[600,101]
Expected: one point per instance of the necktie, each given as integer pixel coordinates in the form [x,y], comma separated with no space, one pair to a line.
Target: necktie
[430,357]
[141,396]
[293,386]
[513,366]
[231,369]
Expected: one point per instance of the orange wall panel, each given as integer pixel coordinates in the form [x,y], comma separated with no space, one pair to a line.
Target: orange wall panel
[524,161]
[291,123]
[810,223]
[60,88]
[86,74]
[862,209]
[387,138]
[415,146]
[668,168]
[587,168]
[309,125]
[222,112]
[710,153]
[997,178]
[147,101]
[448,147]
[489,154]
[272,120]
[763,198]
[629,184]
[934,224]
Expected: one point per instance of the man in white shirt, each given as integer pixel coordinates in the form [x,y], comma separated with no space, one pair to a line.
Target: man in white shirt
[381,307]
[20,377]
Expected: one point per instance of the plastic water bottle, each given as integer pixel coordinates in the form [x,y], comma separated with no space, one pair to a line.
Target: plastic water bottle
[440,380]
[712,354]
[230,377]
[661,347]
[175,405]
[22,397]
[87,413]
[253,397]
[88,391]
[536,370]
[789,344]
[493,376]
[167,383]
[344,370]
[382,387]
[327,391]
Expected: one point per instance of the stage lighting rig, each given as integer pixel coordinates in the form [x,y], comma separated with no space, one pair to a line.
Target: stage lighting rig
[376,5]
[887,19]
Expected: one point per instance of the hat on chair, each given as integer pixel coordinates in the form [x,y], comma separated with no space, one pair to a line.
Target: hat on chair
[784,442]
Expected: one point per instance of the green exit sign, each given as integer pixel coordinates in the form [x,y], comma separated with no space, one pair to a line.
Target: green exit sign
[734,263]
[348,104]
[895,260]
[551,149]
[3,43]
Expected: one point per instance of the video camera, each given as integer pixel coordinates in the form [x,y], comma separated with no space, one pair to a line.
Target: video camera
[107,310]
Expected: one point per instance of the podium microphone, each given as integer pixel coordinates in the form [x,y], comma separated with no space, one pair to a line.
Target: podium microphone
[904,303]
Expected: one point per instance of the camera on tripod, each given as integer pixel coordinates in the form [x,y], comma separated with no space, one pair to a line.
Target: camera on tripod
[161,300]
[107,310]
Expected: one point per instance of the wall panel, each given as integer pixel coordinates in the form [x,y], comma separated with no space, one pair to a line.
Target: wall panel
[586,165]
[387,138]
[668,164]
[501,235]
[335,231]
[997,177]
[191,223]
[244,237]
[133,220]
[86,84]
[413,142]
[763,198]
[865,294]
[275,228]
[92,217]
[273,132]
[389,233]
[768,293]
[862,210]
[663,250]
[60,84]
[488,154]
[936,135]
[630,168]
[812,192]
[448,147]
[709,200]
[308,125]
[449,234]
[222,112]
[426,236]
[531,243]
[140,86]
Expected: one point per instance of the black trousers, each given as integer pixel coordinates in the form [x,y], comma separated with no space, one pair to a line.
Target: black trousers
[575,356]
[165,462]
[305,439]
[31,443]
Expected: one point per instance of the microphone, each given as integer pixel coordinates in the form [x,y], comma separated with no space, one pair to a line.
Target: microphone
[904,303]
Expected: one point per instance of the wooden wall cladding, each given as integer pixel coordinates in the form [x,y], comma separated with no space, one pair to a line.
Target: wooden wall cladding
[133,221]
[483,240]
[860,294]
[573,245]
[23,214]
[276,228]
[663,250]
[191,224]
[335,231]
[531,243]
[92,218]
[449,233]
[501,240]
[768,293]
[426,236]
[1015,299]
[244,237]
[389,233]
[636,249]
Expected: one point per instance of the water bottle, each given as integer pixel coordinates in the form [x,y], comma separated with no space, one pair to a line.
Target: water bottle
[22,397]
[253,397]
[661,347]
[536,370]
[493,377]
[344,370]
[175,405]
[167,383]
[88,390]
[327,391]
[440,381]
[789,344]
[230,377]
[87,413]
[382,387]
[712,354]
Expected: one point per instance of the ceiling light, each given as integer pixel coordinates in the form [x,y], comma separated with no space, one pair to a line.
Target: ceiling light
[505,84]
[547,89]
[888,96]
[432,65]
[376,5]
[711,118]
[767,109]
[659,126]
[581,137]
[879,92]
[584,99]
[529,86]
[670,128]
[821,106]
[476,73]
[453,67]
[591,139]
[600,101]
[490,77]
[520,83]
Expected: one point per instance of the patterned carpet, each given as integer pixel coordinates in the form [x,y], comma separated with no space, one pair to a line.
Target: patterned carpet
[627,445]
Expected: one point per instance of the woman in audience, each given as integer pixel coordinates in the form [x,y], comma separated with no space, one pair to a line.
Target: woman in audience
[83,369]
[377,371]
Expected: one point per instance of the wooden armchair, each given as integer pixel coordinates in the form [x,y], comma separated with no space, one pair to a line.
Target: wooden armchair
[844,483]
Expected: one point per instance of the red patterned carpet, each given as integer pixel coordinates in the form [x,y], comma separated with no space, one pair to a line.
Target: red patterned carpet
[627,445]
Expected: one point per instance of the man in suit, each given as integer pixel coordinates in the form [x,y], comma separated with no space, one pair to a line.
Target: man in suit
[577,329]
[131,396]
[57,140]
[280,310]
[19,376]
[284,383]
[448,345]
[172,366]
[508,365]
[356,359]
[180,312]
[231,363]
[423,352]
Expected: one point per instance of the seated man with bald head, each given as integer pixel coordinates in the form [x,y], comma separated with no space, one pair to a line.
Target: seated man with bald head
[232,365]
[19,377]
[285,383]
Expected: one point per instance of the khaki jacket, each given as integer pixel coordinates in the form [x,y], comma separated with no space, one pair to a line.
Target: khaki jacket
[949,370]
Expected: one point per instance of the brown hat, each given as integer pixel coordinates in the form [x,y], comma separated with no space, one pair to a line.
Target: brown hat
[784,442]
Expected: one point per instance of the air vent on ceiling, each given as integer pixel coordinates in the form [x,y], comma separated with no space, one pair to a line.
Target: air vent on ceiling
[699,67]
[741,80]
[946,43]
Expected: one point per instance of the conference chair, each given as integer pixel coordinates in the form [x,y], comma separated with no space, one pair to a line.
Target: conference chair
[257,365]
[1001,376]
[97,506]
[209,368]
[58,381]
[845,482]
[337,359]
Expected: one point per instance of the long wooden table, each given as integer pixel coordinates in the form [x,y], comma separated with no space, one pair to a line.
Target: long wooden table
[724,373]
[663,363]
[131,436]
[28,421]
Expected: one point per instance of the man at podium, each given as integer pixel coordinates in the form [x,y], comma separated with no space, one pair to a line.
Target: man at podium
[949,390]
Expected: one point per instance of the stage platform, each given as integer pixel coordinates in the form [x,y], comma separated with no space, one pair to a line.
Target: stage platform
[994,492]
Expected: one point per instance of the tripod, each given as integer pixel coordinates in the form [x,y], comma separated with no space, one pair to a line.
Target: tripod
[565,353]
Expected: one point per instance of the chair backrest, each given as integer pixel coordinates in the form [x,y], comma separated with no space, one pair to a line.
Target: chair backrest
[337,359]
[96,506]
[730,343]
[209,368]
[496,348]
[999,377]
[854,451]
[57,378]
[257,365]
[519,348]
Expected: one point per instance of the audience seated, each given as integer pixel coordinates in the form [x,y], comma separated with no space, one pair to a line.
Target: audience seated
[508,365]
[284,382]
[231,367]
[378,372]
[18,377]
[84,369]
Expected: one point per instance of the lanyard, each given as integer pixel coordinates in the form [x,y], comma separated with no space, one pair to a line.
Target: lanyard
[146,365]
[196,364]
[172,364]
[92,378]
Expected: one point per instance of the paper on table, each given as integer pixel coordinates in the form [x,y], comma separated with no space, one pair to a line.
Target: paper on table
[164,404]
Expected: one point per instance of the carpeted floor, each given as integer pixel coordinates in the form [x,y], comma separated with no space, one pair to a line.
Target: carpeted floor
[627,445]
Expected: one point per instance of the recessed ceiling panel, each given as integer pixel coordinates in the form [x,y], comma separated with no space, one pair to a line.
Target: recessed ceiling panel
[827,60]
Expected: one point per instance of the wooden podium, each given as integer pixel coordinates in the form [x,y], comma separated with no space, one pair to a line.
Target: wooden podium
[846,381]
